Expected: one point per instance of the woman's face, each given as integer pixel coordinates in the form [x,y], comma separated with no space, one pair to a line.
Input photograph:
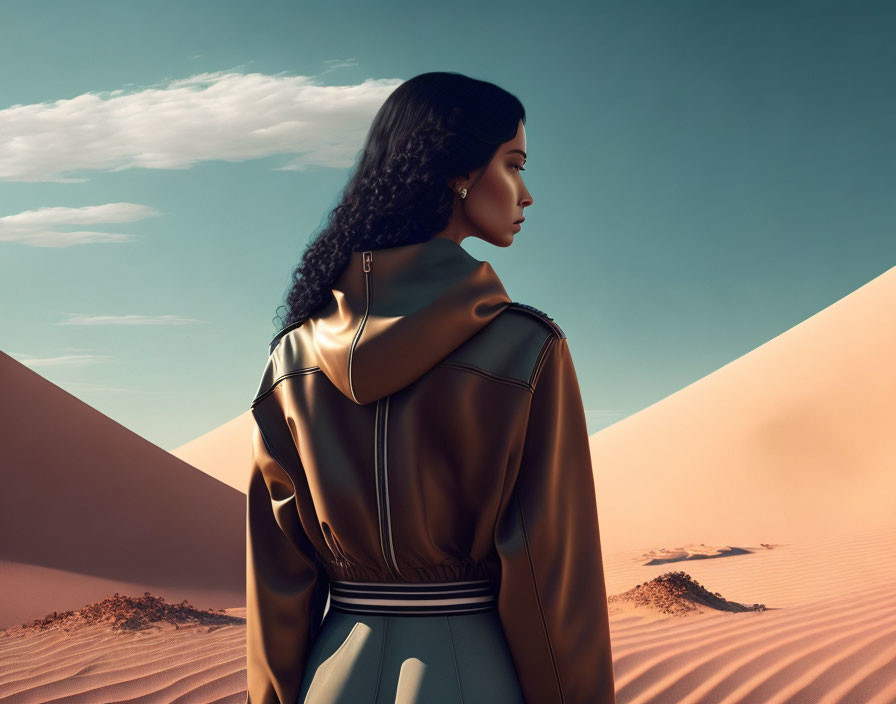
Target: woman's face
[496,196]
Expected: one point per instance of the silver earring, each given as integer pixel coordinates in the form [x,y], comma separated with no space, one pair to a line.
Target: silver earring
[462,192]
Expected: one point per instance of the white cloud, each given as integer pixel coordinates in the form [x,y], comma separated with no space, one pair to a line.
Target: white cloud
[37,228]
[220,115]
[131,319]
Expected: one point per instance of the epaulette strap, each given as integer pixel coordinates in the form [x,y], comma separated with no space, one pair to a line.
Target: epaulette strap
[280,335]
[544,317]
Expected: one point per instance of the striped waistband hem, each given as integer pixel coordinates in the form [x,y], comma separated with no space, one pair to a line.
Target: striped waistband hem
[410,599]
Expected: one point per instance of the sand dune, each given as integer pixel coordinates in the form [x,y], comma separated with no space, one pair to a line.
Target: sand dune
[223,453]
[85,496]
[793,440]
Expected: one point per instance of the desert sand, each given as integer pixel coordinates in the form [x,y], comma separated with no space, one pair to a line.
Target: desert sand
[748,526]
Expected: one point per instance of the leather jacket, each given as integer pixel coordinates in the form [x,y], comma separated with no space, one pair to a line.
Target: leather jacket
[422,427]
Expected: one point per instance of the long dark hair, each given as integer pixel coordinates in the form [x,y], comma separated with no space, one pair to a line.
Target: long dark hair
[433,127]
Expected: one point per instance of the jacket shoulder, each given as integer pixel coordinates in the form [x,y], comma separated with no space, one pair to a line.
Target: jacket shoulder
[510,348]
[543,317]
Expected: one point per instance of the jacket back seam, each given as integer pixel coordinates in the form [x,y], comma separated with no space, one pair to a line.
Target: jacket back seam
[526,385]
[487,374]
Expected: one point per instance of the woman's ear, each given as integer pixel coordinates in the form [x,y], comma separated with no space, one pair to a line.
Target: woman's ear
[458,181]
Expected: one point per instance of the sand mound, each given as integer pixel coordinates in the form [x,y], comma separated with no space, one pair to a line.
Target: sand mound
[677,593]
[127,613]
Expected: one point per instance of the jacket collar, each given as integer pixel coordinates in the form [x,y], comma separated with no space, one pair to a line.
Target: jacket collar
[389,325]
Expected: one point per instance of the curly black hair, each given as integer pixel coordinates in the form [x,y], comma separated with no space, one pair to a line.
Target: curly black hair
[433,127]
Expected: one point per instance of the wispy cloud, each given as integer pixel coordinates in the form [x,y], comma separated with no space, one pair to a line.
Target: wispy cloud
[131,319]
[86,387]
[39,227]
[339,63]
[65,360]
[221,115]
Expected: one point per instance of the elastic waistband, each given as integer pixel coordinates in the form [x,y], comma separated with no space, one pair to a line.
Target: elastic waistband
[408,599]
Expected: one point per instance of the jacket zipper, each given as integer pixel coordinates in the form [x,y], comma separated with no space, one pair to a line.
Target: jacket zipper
[366,260]
[380,466]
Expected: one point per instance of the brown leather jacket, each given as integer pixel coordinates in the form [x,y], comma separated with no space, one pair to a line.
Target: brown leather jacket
[423,427]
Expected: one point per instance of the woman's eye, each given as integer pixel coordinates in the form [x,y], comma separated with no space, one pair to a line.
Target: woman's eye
[518,167]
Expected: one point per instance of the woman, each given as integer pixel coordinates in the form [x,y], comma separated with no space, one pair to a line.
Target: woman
[420,449]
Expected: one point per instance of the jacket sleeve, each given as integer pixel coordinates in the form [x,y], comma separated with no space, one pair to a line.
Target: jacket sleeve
[552,600]
[286,586]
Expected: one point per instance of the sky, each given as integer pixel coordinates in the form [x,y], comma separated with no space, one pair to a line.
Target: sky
[705,174]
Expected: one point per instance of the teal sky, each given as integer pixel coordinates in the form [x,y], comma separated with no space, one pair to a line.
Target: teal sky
[706,175]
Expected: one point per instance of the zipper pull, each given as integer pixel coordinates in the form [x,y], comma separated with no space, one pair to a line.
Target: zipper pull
[367,259]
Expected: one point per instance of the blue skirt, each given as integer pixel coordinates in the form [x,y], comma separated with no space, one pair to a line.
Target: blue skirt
[403,643]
